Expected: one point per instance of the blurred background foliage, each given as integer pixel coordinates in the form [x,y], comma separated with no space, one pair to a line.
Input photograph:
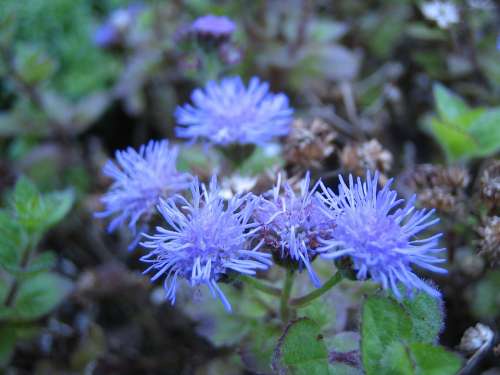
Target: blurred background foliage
[375,84]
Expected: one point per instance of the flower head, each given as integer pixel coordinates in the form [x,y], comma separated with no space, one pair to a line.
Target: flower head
[227,112]
[141,178]
[215,26]
[112,31]
[444,13]
[379,235]
[204,239]
[292,224]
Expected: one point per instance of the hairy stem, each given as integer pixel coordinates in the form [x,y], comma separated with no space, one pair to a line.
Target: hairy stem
[308,298]
[285,295]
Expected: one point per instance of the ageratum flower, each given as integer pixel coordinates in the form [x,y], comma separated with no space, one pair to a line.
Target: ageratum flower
[227,112]
[203,240]
[214,26]
[292,224]
[379,234]
[140,180]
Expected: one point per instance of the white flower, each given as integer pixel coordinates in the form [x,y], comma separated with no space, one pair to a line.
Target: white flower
[444,13]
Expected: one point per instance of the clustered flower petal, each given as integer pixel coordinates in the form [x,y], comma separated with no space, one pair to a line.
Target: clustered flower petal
[444,13]
[203,240]
[141,178]
[291,224]
[378,233]
[227,112]
[216,26]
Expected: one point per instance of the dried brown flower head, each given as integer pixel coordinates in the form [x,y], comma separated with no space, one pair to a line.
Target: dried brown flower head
[309,143]
[489,244]
[490,183]
[370,155]
[440,187]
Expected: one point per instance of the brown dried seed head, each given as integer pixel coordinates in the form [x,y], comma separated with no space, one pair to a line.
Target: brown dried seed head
[490,183]
[309,143]
[366,156]
[489,245]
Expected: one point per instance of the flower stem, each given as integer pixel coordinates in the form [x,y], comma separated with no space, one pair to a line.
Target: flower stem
[308,298]
[285,295]
[259,285]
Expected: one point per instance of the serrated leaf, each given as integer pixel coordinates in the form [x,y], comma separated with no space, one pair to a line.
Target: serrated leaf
[39,212]
[40,294]
[383,323]
[434,360]
[426,314]
[450,106]
[301,349]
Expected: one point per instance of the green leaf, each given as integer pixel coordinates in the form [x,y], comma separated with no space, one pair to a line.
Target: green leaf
[40,294]
[39,212]
[301,349]
[426,314]
[485,302]
[33,65]
[383,323]
[450,106]
[13,241]
[396,360]
[434,360]
[486,129]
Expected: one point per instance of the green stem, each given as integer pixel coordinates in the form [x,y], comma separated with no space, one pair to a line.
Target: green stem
[285,295]
[308,298]
[259,285]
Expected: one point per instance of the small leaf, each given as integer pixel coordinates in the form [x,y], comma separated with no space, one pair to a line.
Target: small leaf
[450,106]
[396,360]
[426,313]
[34,65]
[434,360]
[301,349]
[57,206]
[486,129]
[383,323]
[40,294]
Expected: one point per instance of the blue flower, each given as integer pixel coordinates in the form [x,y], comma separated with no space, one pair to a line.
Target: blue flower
[292,224]
[140,180]
[216,26]
[203,240]
[227,112]
[379,234]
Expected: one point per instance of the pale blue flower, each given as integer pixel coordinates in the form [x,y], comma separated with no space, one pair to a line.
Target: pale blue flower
[215,26]
[203,240]
[227,112]
[291,224]
[379,234]
[140,179]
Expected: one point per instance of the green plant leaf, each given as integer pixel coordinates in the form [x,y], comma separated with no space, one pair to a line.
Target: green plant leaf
[13,241]
[33,65]
[301,349]
[383,322]
[450,106]
[38,212]
[40,294]
[426,314]
[486,129]
[434,360]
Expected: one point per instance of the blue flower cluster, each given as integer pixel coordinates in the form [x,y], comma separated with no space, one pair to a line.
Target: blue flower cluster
[206,238]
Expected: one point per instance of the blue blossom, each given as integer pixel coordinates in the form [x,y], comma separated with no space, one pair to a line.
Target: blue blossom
[140,180]
[227,112]
[379,234]
[292,224]
[203,240]
[216,26]
[111,32]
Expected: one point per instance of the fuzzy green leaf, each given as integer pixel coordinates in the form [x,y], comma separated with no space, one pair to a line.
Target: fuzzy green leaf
[434,360]
[13,241]
[301,349]
[450,106]
[426,314]
[383,322]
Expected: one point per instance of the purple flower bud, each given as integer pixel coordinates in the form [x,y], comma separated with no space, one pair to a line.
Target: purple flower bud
[218,27]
